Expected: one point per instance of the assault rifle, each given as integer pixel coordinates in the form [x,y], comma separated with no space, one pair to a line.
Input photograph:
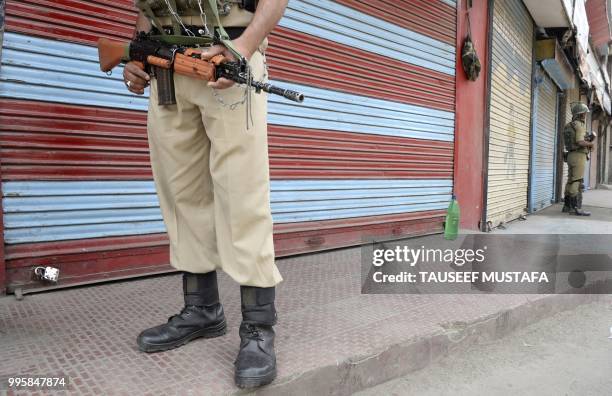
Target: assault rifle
[590,137]
[165,59]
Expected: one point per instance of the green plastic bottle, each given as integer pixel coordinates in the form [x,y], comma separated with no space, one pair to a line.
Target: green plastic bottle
[451,227]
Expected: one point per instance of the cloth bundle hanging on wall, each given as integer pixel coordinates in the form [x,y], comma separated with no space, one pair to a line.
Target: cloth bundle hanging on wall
[469,57]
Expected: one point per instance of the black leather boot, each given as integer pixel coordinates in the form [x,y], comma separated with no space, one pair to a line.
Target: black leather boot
[576,209]
[566,204]
[202,316]
[256,362]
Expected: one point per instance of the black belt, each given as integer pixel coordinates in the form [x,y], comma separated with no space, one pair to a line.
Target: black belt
[198,31]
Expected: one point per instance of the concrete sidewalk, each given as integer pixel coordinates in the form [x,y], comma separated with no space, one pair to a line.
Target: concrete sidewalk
[552,221]
[330,338]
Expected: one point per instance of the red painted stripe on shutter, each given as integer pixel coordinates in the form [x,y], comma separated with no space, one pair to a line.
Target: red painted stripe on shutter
[432,18]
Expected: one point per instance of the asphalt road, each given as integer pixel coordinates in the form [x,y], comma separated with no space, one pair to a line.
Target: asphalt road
[567,354]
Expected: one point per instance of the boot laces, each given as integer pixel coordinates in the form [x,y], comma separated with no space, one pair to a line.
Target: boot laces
[253,332]
[186,311]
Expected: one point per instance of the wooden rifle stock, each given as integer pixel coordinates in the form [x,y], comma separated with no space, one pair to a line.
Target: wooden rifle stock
[111,53]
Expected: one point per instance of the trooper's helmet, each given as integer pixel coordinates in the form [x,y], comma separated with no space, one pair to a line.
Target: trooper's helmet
[579,108]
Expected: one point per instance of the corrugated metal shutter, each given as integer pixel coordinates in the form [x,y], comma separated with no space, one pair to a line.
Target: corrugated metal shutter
[544,143]
[510,112]
[369,153]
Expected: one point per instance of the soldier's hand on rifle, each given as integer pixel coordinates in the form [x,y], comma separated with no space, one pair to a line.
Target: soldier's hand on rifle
[135,78]
[209,53]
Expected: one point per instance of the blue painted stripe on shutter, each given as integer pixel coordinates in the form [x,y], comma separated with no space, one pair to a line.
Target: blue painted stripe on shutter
[53,211]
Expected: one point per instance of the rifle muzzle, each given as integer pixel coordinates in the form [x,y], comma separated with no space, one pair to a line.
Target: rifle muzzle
[286,93]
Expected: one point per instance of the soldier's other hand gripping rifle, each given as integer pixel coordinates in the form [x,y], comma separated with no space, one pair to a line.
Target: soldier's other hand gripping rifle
[164,60]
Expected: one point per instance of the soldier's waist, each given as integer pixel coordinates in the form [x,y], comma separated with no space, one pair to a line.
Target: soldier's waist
[199,31]
[237,18]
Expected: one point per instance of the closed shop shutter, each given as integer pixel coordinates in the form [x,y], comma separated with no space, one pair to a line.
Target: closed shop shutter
[510,112]
[544,143]
[369,153]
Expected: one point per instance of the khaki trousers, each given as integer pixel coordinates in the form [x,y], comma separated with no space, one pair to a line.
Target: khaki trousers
[212,179]
[576,162]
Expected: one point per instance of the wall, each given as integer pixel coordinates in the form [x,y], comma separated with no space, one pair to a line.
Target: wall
[599,25]
[471,97]
[2,262]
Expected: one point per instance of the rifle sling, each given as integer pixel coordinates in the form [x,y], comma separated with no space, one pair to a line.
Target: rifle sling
[223,36]
[183,40]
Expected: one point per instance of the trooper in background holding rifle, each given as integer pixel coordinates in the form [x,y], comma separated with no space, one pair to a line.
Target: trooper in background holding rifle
[578,145]
[210,165]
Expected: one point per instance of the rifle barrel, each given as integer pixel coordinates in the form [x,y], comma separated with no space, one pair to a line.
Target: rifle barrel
[273,89]
[269,88]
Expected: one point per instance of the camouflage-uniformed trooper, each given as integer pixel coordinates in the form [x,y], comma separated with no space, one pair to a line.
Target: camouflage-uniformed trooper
[578,146]
[210,165]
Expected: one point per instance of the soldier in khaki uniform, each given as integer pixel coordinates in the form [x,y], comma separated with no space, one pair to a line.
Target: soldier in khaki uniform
[578,146]
[210,165]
